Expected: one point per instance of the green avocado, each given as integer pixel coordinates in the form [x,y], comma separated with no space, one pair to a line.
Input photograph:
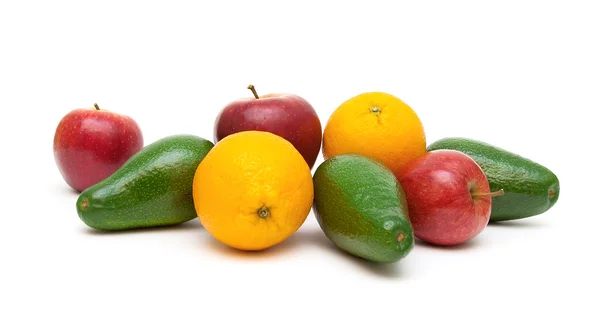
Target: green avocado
[529,188]
[153,188]
[362,209]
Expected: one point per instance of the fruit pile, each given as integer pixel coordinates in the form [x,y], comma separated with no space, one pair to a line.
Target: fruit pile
[379,188]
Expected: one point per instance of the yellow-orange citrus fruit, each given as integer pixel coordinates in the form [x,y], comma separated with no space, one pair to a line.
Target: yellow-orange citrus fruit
[378,125]
[252,190]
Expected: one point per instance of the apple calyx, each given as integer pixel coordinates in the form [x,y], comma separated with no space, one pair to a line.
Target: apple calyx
[96,106]
[251,87]
[491,194]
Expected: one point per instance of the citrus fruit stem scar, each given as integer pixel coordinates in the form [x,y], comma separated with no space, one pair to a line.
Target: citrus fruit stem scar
[400,237]
[263,212]
[96,106]
[251,87]
[551,193]
[375,110]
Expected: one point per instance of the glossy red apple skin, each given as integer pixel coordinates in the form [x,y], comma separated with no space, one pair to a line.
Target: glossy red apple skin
[91,144]
[439,187]
[286,115]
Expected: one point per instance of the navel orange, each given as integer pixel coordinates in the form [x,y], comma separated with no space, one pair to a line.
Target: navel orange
[378,125]
[252,190]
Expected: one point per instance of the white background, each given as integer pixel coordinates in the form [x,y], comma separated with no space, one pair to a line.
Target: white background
[522,75]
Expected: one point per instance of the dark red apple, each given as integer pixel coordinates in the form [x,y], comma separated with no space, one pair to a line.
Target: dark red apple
[92,143]
[286,115]
[448,195]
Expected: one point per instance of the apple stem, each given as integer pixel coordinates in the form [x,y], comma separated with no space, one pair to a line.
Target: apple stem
[491,194]
[251,87]
[96,106]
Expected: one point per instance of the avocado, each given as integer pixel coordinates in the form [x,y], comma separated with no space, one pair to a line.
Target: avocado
[529,188]
[152,188]
[362,209]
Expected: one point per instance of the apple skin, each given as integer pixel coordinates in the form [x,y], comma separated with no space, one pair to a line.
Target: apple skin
[439,188]
[286,115]
[90,144]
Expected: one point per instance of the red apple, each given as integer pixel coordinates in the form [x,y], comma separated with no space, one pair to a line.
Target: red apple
[448,195]
[286,115]
[92,143]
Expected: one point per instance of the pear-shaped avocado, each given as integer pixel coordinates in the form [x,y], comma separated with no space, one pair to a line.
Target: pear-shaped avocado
[362,209]
[153,188]
[529,188]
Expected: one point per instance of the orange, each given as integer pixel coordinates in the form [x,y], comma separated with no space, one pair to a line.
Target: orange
[378,125]
[252,190]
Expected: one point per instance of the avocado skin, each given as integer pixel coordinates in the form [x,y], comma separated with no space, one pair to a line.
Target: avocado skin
[361,208]
[529,188]
[153,188]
